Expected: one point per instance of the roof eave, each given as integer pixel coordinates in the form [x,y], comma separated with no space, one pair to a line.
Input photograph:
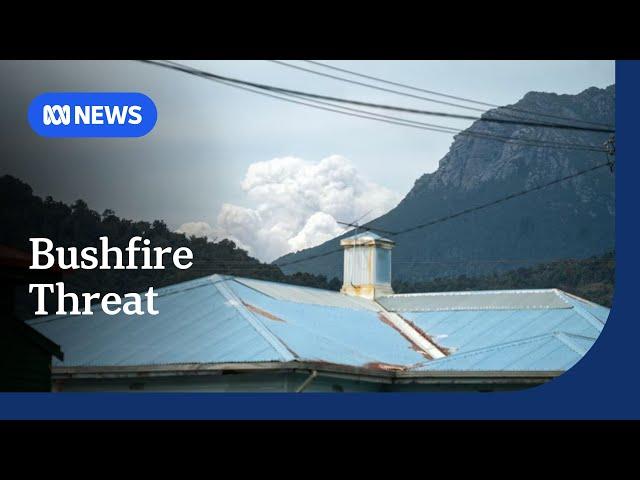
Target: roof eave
[322,368]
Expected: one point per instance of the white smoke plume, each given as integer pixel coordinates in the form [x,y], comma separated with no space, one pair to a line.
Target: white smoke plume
[297,205]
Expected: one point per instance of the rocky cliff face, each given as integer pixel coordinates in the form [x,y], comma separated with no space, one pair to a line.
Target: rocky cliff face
[573,219]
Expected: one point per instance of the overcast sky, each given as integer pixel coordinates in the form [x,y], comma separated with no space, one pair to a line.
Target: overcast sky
[273,176]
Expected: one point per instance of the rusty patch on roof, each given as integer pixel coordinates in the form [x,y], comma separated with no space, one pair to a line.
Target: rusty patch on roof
[444,350]
[412,345]
[263,313]
[385,366]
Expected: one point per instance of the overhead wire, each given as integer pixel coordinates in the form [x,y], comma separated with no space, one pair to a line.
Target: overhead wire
[494,202]
[390,119]
[382,89]
[244,85]
[453,97]
[271,88]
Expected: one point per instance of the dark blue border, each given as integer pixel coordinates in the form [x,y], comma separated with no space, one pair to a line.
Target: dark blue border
[604,385]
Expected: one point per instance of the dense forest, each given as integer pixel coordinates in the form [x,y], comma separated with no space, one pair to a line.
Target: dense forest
[24,215]
[591,278]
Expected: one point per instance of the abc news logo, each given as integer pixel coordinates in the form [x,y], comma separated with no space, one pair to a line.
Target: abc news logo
[91,115]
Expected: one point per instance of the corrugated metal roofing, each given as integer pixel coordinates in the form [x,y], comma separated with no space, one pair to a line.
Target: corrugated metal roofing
[487,300]
[227,319]
[196,324]
[554,351]
[328,333]
[470,330]
[308,295]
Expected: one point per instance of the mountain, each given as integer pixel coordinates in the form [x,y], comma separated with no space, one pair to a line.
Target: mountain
[572,219]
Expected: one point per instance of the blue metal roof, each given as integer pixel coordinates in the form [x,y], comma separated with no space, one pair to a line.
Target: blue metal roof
[220,319]
[462,331]
[549,352]
[480,300]
[196,324]
[341,335]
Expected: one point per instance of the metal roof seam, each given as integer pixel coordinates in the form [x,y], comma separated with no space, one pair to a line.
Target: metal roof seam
[475,301]
[274,341]
[575,335]
[559,293]
[492,348]
[365,355]
[248,285]
[588,316]
[548,354]
[472,292]
[575,297]
[306,295]
[565,338]
[475,308]
[182,287]
[526,326]
[472,320]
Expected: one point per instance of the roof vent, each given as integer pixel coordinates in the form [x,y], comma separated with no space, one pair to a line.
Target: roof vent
[367,265]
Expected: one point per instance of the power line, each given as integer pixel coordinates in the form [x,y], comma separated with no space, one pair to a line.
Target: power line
[222,265]
[382,89]
[502,261]
[460,213]
[271,88]
[492,203]
[477,102]
[368,115]
[364,227]
[227,80]
[419,97]
[313,257]
[445,129]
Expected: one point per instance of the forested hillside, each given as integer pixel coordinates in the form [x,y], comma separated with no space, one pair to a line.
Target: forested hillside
[590,278]
[24,215]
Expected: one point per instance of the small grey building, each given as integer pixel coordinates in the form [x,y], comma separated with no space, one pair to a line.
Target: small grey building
[223,333]
[25,354]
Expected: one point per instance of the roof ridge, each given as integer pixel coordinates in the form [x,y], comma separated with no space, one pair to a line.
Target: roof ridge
[305,295]
[262,330]
[292,285]
[473,292]
[566,338]
[575,297]
[575,335]
[576,305]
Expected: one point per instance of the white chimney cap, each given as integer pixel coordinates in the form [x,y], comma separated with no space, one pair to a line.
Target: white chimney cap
[367,265]
[367,238]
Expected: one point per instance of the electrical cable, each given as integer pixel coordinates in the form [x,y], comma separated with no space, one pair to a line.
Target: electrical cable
[238,83]
[400,121]
[271,88]
[453,97]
